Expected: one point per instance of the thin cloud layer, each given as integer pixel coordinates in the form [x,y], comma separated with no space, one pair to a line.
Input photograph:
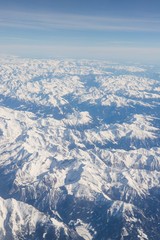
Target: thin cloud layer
[53,33]
[48,21]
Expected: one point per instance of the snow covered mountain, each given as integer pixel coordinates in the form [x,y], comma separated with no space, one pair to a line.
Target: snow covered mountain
[79,150]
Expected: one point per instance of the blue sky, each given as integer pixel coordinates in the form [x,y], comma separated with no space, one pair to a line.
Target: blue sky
[107,29]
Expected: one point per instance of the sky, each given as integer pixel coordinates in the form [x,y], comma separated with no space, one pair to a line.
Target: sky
[93,29]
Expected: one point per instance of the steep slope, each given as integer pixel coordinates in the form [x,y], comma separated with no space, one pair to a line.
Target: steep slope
[79,150]
[22,221]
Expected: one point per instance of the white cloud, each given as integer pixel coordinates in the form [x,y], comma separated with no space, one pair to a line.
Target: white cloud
[51,21]
[72,46]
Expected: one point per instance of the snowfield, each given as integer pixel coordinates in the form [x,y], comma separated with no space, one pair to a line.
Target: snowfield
[79,150]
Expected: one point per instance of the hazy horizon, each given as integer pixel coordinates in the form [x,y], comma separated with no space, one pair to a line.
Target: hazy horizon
[87,29]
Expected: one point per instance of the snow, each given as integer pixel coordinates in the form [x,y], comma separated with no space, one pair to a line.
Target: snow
[142,235]
[82,231]
[16,216]
[55,137]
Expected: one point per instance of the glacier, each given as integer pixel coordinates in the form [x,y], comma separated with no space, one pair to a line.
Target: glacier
[79,150]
